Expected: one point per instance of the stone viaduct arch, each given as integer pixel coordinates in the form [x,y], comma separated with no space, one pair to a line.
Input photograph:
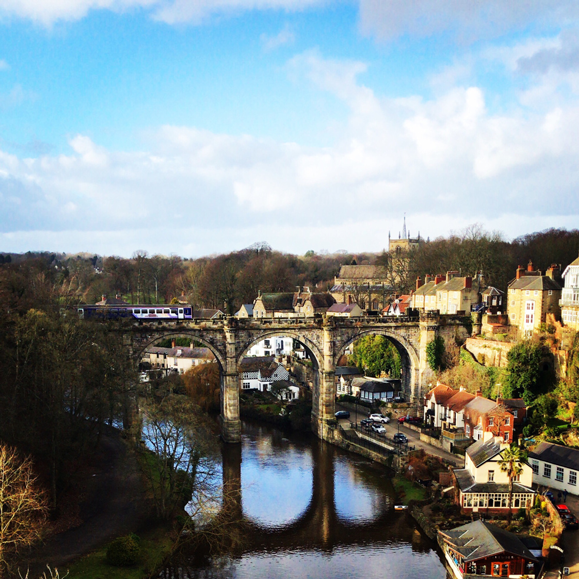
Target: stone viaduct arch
[324,338]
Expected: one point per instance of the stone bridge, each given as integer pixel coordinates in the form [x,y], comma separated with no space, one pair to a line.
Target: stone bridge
[325,340]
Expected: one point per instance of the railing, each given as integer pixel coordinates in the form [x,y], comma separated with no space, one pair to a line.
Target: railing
[570,297]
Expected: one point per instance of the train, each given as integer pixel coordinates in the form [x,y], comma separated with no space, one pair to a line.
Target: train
[139,312]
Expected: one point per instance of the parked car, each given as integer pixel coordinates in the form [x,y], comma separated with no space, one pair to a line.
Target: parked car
[570,521]
[398,399]
[379,418]
[563,509]
[400,438]
[410,419]
[378,429]
[342,414]
[366,423]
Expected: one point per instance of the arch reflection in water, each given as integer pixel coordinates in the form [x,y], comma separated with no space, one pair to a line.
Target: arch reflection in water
[347,528]
[276,479]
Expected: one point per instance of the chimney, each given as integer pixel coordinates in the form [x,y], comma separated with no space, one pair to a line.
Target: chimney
[438,279]
[173,343]
[499,401]
[468,282]
[419,282]
[554,271]
[349,300]
[530,266]
[427,278]
[103,297]
[118,296]
[520,272]
[479,394]
[450,275]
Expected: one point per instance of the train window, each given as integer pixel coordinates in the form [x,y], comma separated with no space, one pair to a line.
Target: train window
[136,311]
[180,310]
[166,311]
[174,311]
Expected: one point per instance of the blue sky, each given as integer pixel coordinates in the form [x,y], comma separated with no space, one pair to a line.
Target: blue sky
[201,126]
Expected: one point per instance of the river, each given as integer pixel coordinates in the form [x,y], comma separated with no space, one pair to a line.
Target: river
[311,510]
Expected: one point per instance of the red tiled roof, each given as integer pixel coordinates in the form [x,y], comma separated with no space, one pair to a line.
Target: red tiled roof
[442,393]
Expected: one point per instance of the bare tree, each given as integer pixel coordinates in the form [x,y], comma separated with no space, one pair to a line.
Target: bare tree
[23,505]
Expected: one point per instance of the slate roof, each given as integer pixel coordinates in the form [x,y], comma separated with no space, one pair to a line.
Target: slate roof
[347,371]
[541,283]
[278,301]
[514,402]
[183,352]
[480,539]
[467,484]
[248,309]
[360,272]
[557,454]
[492,291]
[457,284]
[206,313]
[321,301]
[255,363]
[341,308]
[482,450]
[425,289]
[375,386]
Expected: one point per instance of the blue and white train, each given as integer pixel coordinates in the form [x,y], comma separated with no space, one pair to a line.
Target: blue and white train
[138,312]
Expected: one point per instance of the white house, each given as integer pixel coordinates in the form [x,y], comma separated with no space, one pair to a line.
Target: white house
[570,296]
[274,346]
[285,390]
[178,359]
[555,466]
[344,376]
[260,373]
[483,486]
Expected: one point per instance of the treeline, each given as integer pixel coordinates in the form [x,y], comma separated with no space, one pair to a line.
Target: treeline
[230,280]
[62,381]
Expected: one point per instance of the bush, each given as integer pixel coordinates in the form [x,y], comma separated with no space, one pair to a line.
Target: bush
[124,551]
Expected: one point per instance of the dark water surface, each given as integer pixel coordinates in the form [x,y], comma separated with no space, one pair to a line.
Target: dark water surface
[313,511]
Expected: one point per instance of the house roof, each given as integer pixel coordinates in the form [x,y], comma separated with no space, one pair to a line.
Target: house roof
[347,371]
[321,301]
[479,539]
[467,484]
[457,284]
[480,405]
[556,454]
[278,301]
[457,402]
[425,288]
[342,308]
[360,272]
[183,352]
[492,291]
[112,302]
[483,450]
[513,402]
[248,308]
[541,283]
[441,393]
[255,363]
[376,386]
[206,313]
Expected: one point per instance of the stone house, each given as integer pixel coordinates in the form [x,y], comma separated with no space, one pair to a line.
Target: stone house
[299,304]
[245,311]
[366,285]
[274,346]
[344,376]
[376,389]
[177,359]
[531,296]
[483,486]
[570,296]
[492,300]
[555,466]
[450,294]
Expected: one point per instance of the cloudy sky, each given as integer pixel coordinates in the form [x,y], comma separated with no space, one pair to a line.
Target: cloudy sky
[201,126]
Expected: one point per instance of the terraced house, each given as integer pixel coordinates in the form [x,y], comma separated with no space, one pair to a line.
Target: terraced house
[570,297]
[450,294]
[532,296]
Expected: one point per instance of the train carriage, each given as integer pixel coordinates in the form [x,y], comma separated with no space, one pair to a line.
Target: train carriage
[143,312]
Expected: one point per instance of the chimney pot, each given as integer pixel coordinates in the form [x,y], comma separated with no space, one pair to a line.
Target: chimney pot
[438,279]
[173,343]
[479,394]
[530,266]
[468,282]
[419,282]
[520,272]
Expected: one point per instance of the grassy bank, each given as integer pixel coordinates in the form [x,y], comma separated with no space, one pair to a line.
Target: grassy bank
[156,545]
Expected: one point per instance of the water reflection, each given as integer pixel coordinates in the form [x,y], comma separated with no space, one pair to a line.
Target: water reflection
[311,510]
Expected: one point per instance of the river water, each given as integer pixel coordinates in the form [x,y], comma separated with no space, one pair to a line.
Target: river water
[311,510]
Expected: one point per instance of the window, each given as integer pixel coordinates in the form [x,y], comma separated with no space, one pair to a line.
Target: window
[527,293]
[516,413]
[491,421]
[547,471]
[559,474]
[508,421]
[246,385]
[550,292]
[491,475]
[506,437]
[572,478]
[536,293]
[535,466]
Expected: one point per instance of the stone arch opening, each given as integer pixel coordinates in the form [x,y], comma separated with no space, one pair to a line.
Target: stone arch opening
[409,357]
[311,350]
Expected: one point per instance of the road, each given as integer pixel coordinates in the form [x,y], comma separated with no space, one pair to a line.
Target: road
[413,436]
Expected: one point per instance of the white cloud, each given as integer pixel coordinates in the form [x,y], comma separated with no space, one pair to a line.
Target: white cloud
[468,20]
[447,161]
[284,37]
[4,65]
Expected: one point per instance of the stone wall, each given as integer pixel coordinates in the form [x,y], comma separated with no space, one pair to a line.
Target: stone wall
[489,352]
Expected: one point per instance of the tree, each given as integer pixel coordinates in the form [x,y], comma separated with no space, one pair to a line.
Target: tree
[376,356]
[203,386]
[183,449]
[23,506]
[511,463]
[435,353]
[524,377]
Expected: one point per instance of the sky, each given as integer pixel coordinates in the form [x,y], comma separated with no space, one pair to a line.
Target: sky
[195,127]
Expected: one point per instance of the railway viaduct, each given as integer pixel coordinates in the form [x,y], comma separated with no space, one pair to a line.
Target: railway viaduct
[325,340]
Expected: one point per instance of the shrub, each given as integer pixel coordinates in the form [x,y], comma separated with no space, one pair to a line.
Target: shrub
[124,551]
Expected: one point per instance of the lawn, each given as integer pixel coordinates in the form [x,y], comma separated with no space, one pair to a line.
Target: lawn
[407,490]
